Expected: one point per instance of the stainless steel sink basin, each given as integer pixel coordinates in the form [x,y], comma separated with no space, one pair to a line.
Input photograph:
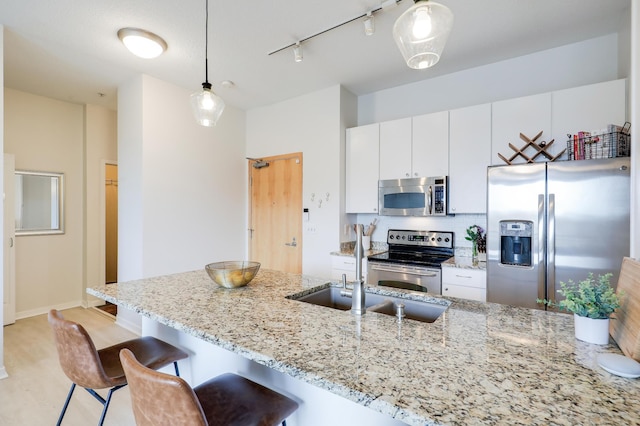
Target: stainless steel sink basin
[330,297]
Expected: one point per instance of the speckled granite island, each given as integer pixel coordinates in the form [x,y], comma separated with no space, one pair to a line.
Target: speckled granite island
[479,363]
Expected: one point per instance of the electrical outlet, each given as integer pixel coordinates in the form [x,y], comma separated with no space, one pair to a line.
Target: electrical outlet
[311,229]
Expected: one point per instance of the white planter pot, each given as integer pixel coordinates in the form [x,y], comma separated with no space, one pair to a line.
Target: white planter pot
[592,330]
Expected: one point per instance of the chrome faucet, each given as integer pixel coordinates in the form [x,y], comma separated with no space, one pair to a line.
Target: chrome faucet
[357,295]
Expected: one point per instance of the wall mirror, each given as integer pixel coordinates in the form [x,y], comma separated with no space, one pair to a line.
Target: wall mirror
[39,203]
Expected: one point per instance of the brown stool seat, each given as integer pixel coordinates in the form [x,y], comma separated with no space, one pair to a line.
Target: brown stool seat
[228,399]
[100,369]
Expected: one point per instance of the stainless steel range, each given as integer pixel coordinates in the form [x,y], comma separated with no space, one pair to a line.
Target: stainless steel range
[413,260]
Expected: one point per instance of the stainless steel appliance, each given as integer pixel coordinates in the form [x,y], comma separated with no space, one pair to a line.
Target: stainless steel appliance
[426,196]
[553,222]
[413,260]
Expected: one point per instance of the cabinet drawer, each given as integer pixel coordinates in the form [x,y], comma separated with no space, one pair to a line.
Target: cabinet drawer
[472,293]
[346,265]
[343,262]
[465,277]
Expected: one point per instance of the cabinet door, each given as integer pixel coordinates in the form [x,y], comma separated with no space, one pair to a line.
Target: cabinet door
[395,149]
[587,108]
[362,162]
[462,292]
[430,145]
[527,115]
[469,152]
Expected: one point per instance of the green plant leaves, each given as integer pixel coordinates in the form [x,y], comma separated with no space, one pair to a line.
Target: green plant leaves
[588,298]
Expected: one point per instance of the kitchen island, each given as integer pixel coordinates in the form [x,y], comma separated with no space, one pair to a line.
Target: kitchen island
[478,363]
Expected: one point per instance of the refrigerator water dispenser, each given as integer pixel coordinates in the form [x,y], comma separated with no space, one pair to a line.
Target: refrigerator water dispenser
[515,242]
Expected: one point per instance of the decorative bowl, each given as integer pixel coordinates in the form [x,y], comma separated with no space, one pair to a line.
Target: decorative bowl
[232,274]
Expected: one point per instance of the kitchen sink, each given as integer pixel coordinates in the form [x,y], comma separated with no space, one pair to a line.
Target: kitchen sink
[418,310]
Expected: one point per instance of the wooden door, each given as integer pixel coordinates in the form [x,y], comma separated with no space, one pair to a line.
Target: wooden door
[111,223]
[275,212]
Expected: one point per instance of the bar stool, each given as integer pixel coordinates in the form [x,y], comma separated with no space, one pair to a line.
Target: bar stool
[226,400]
[101,369]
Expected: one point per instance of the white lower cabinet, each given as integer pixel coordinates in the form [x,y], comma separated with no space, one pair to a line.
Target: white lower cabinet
[464,283]
[346,265]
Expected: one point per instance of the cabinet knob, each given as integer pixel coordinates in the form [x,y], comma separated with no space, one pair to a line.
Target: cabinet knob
[407,174]
[416,174]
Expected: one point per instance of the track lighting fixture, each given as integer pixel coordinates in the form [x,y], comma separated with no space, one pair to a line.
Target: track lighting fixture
[369,28]
[297,52]
[369,24]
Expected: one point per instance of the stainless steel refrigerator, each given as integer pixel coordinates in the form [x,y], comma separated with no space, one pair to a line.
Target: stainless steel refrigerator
[552,222]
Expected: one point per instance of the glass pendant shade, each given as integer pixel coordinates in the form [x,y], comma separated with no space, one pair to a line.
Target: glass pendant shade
[421,33]
[207,106]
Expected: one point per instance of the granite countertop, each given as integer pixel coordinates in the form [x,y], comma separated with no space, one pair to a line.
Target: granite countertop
[464,263]
[479,363]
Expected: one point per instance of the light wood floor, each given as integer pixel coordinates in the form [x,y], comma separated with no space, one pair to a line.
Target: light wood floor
[36,388]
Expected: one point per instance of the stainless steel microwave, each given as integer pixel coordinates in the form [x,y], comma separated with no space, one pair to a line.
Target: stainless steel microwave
[427,196]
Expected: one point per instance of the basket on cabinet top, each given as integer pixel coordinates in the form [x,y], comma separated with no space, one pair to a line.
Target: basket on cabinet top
[615,142]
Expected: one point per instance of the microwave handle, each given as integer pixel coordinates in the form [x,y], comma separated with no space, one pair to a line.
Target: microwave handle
[430,199]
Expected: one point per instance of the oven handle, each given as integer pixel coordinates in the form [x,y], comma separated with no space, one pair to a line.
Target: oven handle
[416,271]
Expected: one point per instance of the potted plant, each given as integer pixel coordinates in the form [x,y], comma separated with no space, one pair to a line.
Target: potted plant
[592,303]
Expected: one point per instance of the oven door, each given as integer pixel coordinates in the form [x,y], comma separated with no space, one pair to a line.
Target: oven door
[417,278]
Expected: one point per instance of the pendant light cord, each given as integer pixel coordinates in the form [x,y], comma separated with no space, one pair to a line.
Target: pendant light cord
[206,44]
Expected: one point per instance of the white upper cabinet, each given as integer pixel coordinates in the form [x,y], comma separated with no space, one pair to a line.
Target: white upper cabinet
[587,108]
[430,144]
[362,162]
[469,152]
[395,149]
[528,115]
[415,147]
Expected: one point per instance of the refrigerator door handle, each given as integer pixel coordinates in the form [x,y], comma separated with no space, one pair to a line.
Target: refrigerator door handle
[551,247]
[542,260]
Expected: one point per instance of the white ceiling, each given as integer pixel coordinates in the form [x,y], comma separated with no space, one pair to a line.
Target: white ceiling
[69,50]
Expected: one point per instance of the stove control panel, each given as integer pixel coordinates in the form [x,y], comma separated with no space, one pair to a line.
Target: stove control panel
[420,238]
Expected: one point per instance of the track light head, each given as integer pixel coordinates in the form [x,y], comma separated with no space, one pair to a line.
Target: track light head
[297,52]
[369,24]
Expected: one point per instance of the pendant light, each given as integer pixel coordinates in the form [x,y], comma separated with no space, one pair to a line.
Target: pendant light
[421,33]
[207,106]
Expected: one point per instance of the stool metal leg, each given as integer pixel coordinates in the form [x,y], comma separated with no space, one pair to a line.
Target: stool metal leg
[66,404]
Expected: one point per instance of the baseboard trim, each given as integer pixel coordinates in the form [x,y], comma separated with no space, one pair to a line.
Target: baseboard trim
[45,309]
[3,373]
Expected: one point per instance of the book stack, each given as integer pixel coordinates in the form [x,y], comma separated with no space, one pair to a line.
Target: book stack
[605,143]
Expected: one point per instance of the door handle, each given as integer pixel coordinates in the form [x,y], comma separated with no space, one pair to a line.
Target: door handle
[292,243]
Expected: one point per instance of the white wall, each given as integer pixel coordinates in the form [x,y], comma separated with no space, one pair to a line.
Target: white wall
[48,135]
[578,64]
[3,371]
[100,147]
[181,186]
[311,124]
[634,95]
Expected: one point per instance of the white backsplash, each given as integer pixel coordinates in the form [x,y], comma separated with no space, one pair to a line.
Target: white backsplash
[457,224]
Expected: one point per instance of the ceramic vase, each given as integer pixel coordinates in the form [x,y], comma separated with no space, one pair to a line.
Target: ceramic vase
[592,330]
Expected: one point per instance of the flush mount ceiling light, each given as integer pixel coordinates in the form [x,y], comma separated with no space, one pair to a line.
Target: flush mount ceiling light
[421,33]
[207,106]
[142,43]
